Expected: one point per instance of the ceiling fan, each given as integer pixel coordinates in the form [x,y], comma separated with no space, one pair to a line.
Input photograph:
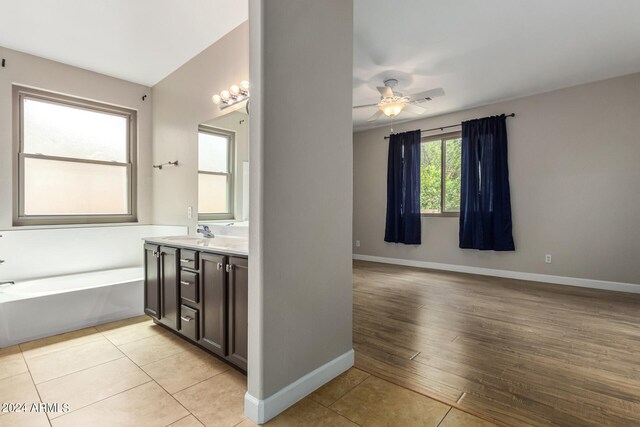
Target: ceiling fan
[393,103]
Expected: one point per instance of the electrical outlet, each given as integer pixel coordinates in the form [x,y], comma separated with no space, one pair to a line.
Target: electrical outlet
[547,258]
[357,243]
[189,212]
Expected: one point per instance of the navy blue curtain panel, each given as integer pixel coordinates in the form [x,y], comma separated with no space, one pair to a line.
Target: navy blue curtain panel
[403,189]
[485,200]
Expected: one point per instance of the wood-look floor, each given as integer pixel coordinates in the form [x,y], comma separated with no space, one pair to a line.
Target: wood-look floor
[520,353]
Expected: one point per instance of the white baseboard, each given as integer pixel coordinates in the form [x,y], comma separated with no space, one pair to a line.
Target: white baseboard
[534,277]
[261,411]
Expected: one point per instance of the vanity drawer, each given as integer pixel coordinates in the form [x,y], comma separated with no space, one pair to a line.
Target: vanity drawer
[189,259]
[189,286]
[189,322]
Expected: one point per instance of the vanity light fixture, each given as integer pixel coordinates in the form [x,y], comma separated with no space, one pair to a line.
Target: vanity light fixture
[235,94]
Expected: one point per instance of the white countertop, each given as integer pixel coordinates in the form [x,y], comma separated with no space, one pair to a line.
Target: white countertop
[233,245]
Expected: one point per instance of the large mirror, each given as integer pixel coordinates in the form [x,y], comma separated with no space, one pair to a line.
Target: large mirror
[223,170]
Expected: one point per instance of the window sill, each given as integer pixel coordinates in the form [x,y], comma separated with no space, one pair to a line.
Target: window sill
[441,215]
[64,226]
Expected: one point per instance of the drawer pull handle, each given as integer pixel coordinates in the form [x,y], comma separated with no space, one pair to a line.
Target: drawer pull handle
[186,318]
[219,266]
[185,260]
[182,282]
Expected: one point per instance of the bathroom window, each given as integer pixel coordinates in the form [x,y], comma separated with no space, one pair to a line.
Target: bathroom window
[215,173]
[440,175]
[75,162]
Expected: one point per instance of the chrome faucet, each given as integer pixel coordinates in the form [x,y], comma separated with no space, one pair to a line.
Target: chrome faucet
[205,231]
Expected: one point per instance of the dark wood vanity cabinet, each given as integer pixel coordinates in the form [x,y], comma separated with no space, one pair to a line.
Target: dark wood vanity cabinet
[152,280]
[169,293]
[202,296]
[214,303]
[162,273]
[237,302]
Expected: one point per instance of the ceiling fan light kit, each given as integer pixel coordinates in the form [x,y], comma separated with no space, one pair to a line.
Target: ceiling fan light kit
[393,103]
[391,108]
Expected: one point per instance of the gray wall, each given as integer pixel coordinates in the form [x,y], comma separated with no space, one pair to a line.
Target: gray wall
[575,180]
[301,189]
[181,102]
[28,70]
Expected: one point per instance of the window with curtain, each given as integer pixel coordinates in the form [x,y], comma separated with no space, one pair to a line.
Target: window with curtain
[76,160]
[215,173]
[440,175]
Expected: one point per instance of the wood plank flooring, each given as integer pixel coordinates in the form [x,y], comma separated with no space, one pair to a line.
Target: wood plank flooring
[520,353]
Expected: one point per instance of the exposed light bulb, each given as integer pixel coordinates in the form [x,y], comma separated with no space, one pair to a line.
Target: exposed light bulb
[244,85]
[216,99]
[225,95]
[235,89]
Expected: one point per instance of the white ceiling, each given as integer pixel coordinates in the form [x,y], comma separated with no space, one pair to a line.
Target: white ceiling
[484,51]
[142,41]
[478,51]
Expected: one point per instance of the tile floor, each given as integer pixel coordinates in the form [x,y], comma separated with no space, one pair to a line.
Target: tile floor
[134,373]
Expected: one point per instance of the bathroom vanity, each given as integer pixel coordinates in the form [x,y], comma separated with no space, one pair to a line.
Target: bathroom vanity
[197,287]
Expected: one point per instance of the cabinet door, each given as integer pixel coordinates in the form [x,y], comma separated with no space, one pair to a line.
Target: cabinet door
[213,285]
[169,285]
[238,310]
[152,280]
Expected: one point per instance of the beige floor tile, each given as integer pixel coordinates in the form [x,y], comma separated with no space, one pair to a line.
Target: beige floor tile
[456,418]
[376,402]
[123,332]
[91,385]
[305,413]
[24,419]
[53,365]
[189,421]
[11,362]
[18,389]
[182,370]
[142,406]
[338,387]
[218,401]
[42,346]
[151,349]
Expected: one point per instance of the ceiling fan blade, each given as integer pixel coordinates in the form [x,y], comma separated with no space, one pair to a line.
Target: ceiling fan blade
[375,116]
[364,106]
[428,95]
[385,91]
[414,109]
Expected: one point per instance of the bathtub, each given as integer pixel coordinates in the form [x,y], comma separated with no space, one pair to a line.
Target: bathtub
[38,308]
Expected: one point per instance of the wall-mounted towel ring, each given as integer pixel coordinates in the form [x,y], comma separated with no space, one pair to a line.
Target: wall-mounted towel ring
[166,164]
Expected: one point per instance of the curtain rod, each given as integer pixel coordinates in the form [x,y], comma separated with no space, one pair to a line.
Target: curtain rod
[452,126]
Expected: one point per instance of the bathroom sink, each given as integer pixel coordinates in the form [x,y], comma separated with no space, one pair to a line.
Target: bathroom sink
[233,243]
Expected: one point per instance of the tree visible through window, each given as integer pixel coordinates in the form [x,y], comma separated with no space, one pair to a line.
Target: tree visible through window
[440,178]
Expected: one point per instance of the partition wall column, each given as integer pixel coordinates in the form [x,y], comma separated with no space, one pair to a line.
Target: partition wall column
[301,172]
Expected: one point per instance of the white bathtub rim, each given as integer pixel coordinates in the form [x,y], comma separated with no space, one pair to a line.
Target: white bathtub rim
[6,294]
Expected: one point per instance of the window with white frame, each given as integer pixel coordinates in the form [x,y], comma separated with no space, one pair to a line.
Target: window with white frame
[215,173]
[75,160]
